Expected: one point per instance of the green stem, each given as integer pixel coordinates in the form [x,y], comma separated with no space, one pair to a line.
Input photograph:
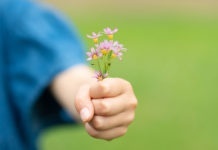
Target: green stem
[99,66]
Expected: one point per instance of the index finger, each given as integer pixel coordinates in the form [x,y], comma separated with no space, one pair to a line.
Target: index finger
[109,87]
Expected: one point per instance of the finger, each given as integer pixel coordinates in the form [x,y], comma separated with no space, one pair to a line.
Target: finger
[104,123]
[109,87]
[83,104]
[106,134]
[112,106]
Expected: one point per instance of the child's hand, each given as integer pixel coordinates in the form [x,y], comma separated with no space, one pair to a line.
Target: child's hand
[106,107]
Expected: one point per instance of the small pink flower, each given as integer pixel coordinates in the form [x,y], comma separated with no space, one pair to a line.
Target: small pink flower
[110,32]
[117,50]
[117,53]
[105,46]
[117,45]
[94,36]
[100,76]
[94,54]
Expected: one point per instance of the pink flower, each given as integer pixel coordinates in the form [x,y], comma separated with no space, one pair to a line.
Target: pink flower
[117,53]
[117,45]
[100,76]
[105,46]
[94,36]
[110,32]
[94,54]
[117,50]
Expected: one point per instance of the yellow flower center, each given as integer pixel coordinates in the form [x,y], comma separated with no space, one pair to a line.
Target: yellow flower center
[95,56]
[110,36]
[104,51]
[95,40]
[113,55]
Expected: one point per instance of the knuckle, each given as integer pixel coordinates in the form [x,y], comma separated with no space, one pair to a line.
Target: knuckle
[104,88]
[130,118]
[93,133]
[131,96]
[133,104]
[97,123]
[128,85]
[104,108]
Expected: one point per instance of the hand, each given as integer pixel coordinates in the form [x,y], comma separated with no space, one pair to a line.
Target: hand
[106,107]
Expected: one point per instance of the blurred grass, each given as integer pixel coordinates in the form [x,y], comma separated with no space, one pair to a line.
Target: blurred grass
[172,64]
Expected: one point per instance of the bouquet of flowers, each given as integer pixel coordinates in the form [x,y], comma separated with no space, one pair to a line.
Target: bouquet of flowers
[103,52]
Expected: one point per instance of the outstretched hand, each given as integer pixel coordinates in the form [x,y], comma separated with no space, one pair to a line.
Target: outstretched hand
[106,107]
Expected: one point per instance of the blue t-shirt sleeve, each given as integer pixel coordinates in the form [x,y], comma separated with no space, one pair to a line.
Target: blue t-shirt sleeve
[40,45]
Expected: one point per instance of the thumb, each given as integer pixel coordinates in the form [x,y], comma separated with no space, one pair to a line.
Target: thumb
[83,104]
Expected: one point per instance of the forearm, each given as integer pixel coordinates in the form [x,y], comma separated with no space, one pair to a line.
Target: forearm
[65,86]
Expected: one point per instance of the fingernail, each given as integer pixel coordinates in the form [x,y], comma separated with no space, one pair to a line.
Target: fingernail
[84,114]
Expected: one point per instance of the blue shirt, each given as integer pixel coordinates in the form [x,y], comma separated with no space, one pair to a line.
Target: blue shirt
[36,44]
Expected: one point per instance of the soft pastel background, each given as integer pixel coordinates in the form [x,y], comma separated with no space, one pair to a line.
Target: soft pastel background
[172,64]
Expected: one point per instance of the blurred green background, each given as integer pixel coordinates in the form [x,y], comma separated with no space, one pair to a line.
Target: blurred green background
[172,64]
